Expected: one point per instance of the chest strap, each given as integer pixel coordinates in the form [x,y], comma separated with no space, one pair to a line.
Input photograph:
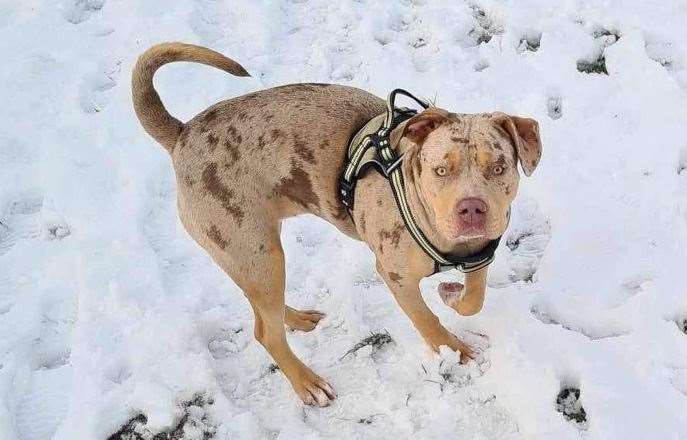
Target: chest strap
[371,147]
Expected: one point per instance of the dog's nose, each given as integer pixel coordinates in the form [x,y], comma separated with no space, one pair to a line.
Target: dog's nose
[472,212]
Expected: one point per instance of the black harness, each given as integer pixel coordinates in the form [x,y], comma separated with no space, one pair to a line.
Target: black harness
[375,150]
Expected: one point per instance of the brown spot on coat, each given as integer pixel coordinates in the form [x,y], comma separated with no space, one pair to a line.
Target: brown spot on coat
[261,142]
[215,235]
[396,278]
[188,181]
[234,135]
[460,140]
[212,140]
[298,187]
[276,134]
[218,190]
[302,150]
[362,223]
[234,154]
[393,235]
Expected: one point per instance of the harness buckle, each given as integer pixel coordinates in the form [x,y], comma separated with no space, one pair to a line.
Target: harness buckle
[347,191]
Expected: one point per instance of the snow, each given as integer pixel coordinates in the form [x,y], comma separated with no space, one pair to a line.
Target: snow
[109,310]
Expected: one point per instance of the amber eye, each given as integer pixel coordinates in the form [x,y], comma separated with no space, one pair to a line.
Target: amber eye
[440,171]
[498,169]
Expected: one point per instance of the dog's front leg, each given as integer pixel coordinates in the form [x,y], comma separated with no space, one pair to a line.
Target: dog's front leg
[406,291]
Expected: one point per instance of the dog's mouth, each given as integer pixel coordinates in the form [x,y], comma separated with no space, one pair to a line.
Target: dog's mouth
[468,234]
[462,233]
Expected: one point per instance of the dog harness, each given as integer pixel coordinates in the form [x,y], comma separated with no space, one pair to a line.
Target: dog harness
[369,148]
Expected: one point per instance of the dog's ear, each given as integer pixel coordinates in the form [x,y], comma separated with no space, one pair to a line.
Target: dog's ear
[525,135]
[419,126]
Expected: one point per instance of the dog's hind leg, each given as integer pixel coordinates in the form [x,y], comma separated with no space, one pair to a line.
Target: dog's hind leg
[256,264]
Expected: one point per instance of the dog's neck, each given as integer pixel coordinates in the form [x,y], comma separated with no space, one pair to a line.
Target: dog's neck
[423,213]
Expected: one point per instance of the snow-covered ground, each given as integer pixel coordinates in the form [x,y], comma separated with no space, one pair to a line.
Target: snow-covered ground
[113,320]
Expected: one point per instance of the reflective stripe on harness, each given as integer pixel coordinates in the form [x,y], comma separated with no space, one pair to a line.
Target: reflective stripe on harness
[371,147]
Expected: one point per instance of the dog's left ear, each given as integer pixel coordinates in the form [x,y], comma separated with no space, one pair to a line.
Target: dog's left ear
[525,135]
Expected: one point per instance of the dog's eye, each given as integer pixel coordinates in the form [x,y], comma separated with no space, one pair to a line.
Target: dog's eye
[440,171]
[497,169]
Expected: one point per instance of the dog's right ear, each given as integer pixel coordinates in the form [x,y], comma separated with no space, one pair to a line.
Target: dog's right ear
[417,128]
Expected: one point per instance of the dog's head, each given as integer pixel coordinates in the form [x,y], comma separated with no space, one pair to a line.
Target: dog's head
[465,169]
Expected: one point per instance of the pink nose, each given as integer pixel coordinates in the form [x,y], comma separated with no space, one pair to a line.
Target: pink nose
[472,212]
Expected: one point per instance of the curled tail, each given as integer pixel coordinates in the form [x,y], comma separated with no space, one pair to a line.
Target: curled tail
[156,121]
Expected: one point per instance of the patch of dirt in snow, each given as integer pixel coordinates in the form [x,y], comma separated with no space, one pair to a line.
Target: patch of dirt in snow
[193,424]
[376,340]
[597,63]
[568,403]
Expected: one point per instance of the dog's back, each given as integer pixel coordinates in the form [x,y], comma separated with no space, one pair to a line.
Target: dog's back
[283,146]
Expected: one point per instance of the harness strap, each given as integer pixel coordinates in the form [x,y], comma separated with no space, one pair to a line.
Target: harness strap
[388,163]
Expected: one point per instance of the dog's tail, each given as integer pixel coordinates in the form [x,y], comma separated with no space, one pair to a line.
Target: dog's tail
[162,126]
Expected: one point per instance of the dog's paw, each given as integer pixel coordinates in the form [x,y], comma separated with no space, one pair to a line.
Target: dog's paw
[451,341]
[312,389]
[303,320]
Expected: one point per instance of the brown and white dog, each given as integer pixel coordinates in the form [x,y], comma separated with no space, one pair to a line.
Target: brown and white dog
[245,164]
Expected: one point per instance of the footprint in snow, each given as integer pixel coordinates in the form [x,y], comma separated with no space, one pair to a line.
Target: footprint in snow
[41,394]
[529,42]
[211,20]
[486,26]
[682,324]
[81,10]
[525,243]
[480,65]
[669,56]
[682,161]
[554,106]
[228,342]
[30,217]
[596,63]
[94,96]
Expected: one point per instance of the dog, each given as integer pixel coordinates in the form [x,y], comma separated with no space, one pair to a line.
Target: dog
[245,164]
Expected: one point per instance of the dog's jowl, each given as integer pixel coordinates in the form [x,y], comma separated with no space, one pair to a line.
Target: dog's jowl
[245,164]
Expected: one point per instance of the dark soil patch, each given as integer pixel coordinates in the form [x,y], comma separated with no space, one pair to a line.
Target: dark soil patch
[193,424]
[568,403]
